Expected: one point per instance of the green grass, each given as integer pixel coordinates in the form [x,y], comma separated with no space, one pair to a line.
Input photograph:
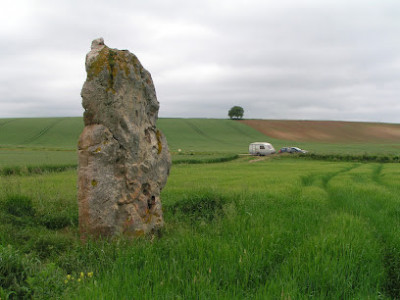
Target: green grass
[200,158]
[212,135]
[61,133]
[23,157]
[276,228]
[51,140]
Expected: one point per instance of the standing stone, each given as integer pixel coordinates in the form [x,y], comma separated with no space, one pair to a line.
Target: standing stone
[124,160]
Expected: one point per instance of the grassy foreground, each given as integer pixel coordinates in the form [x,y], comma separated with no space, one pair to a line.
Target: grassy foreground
[278,228]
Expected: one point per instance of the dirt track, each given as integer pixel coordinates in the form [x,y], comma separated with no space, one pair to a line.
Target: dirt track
[327,131]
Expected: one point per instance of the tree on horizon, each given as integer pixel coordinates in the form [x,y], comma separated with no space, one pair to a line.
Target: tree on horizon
[236,112]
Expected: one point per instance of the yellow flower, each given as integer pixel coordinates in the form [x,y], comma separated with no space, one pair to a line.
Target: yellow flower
[82,275]
[68,277]
[66,281]
[90,274]
[79,280]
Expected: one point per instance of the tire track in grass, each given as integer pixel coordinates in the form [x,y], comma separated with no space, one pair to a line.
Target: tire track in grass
[311,179]
[377,178]
[377,173]
[202,133]
[321,215]
[384,212]
[336,202]
[373,208]
[328,177]
[6,122]
[381,211]
[339,221]
[42,132]
[239,130]
[322,180]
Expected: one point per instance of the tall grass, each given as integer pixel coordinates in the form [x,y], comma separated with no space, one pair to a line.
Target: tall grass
[39,169]
[10,158]
[381,158]
[272,229]
[194,158]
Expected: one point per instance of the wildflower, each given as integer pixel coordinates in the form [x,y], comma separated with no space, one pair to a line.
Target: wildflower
[79,280]
[68,277]
[90,274]
[82,275]
[66,281]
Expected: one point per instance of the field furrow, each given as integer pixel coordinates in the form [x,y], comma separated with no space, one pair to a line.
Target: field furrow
[42,132]
[5,122]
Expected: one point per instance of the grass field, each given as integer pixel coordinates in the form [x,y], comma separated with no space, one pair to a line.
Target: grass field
[48,140]
[40,141]
[273,229]
[211,135]
[277,227]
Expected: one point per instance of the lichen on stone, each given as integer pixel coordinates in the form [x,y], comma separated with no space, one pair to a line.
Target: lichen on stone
[112,61]
[159,142]
[98,64]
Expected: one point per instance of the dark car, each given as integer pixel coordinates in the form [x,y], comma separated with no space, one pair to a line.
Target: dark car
[292,150]
[284,150]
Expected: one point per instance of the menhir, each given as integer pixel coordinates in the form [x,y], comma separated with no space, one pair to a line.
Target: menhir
[124,160]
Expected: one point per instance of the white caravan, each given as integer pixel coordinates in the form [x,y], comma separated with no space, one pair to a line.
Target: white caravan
[261,148]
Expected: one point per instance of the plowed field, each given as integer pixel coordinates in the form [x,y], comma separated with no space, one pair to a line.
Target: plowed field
[327,131]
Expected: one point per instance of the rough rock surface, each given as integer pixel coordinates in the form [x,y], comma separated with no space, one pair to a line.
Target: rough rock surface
[124,160]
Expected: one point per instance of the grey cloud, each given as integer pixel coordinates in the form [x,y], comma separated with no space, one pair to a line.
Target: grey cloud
[303,59]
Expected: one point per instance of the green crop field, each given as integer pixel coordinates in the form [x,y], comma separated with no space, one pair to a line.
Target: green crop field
[278,227]
[51,140]
[196,135]
[60,133]
[38,141]
[273,228]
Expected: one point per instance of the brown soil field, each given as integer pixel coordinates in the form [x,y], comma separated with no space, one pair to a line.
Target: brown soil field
[327,131]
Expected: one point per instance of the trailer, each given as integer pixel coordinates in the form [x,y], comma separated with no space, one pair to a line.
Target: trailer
[261,148]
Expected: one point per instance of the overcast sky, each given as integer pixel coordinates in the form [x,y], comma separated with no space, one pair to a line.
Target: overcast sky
[278,59]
